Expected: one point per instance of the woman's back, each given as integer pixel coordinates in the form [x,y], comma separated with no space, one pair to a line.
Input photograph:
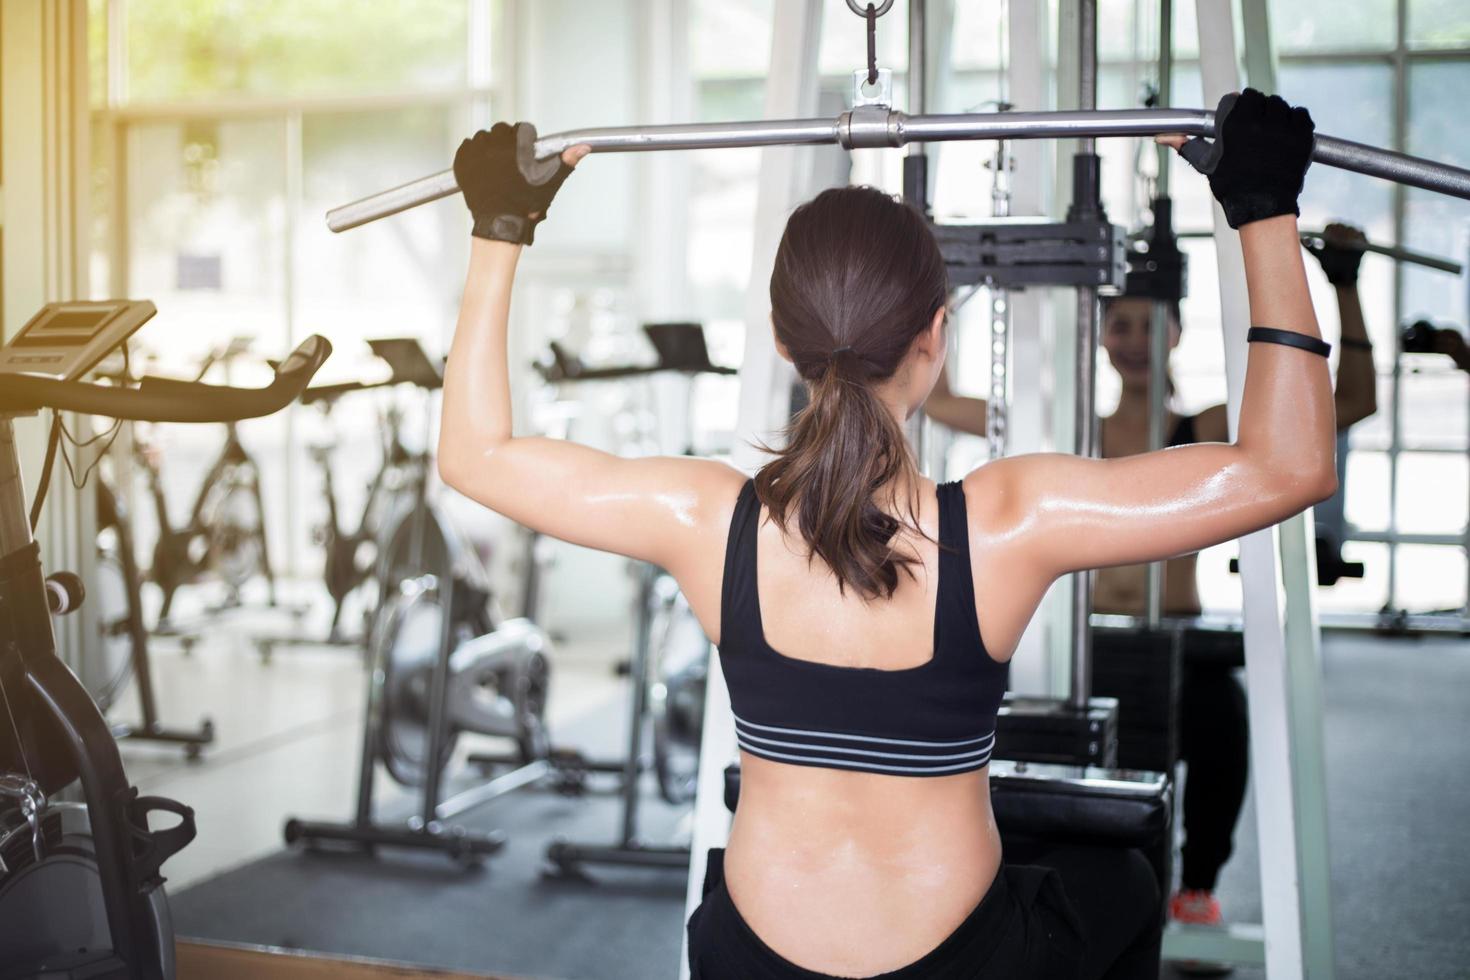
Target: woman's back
[864,856]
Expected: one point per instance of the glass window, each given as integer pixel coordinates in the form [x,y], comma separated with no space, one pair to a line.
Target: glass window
[1432,493]
[1330,25]
[97,51]
[1352,101]
[843,47]
[1366,499]
[1430,578]
[1219,588]
[1198,364]
[211,48]
[731,39]
[978,39]
[392,277]
[1434,401]
[1435,223]
[1186,32]
[206,231]
[1438,23]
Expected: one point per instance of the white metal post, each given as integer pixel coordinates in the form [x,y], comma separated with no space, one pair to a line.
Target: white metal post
[1057,611]
[792,87]
[1303,644]
[665,95]
[1029,421]
[1281,670]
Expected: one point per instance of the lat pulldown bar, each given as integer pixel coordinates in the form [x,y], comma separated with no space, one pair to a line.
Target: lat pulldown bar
[879,126]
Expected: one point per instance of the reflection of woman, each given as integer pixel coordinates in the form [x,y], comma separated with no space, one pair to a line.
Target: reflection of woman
[1212,704]
[864,615]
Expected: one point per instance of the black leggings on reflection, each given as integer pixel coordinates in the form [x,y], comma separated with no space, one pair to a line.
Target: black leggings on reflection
[1215,744]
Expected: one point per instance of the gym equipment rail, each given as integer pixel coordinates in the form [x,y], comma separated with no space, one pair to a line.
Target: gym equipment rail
[877,125]
[86,898]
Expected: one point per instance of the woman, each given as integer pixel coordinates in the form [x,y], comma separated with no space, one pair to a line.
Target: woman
[864,616]
[1212,711]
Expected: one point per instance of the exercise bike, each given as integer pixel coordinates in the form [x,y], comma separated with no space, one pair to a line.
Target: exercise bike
[120,649]
[444,665]
[224,535]
[670,660]
[350,551]
[81,895]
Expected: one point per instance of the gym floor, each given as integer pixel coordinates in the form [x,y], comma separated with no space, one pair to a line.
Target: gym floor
[288,732]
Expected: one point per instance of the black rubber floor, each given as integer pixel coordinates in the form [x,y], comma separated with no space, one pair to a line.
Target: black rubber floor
[1398,731]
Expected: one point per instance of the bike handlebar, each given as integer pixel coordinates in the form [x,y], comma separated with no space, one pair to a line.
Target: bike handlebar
[169,400]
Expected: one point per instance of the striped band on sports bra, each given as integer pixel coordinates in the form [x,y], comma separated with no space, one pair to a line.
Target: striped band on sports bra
[864,753]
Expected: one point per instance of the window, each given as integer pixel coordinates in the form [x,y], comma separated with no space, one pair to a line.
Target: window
[234,127]
[205,50]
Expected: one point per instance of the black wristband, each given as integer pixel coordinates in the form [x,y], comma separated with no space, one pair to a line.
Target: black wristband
[1288,338]
[1354,343]
[502,228]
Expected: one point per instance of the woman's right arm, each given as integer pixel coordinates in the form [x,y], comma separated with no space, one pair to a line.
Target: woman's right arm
[1061,514]
[1075,513]
[958,412]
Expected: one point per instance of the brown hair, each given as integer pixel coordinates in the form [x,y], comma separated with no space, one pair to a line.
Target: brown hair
[858,277]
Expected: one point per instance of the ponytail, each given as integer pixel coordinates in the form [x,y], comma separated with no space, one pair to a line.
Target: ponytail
[843,453]
[858,277]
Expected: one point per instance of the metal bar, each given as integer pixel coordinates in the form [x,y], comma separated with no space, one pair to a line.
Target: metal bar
[1087,65]
[1400,216]
[1158,372]
[477,796]
[1166,87]
[638,678]
[1406,537]
[1392,251]
[918,60]
[1085,408]
[895,129]
[1159,314]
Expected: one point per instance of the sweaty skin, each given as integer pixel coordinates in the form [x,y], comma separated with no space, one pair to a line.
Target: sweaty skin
[1125,338]
[857,873]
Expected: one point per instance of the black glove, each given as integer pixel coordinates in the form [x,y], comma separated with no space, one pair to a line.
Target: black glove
[504,184]
[1340,249]
[1259,157]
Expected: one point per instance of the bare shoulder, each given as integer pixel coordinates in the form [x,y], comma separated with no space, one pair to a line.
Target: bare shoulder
[999,494]
[712,487]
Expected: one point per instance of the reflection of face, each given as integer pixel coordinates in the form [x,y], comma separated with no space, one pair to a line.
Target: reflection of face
[1125,333]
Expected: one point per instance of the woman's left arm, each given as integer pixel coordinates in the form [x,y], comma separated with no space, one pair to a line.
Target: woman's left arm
[655,509]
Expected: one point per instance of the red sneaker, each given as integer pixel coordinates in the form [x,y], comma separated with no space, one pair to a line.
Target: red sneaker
[1197,908]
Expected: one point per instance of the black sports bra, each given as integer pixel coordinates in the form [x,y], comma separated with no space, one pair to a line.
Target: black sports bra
[935,719]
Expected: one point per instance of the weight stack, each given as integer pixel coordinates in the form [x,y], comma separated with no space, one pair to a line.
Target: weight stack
[1214,647]
[1141,668]
[1035,729]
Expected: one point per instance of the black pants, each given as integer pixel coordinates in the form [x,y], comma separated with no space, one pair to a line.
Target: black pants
[1084,913]
[1215,745]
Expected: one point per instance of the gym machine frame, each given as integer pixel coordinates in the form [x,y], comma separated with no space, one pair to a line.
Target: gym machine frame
[869,125]
[876,125]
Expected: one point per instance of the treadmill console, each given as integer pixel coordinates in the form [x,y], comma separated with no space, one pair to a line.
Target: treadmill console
[65,340]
